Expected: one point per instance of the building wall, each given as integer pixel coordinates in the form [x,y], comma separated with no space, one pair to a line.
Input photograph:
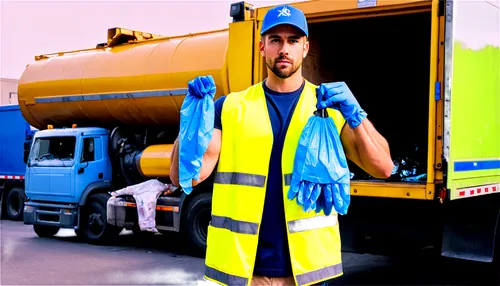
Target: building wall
[8,91]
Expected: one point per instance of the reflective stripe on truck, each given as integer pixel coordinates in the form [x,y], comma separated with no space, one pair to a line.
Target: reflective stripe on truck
[158,208]
[12,177]
[478,191]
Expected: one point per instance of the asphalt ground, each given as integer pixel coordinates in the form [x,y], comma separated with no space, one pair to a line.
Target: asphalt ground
[27,259]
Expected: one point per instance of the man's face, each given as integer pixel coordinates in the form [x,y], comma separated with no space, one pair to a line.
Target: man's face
[284,48]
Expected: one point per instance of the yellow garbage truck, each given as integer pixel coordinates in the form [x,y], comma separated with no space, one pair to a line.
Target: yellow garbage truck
[426,71]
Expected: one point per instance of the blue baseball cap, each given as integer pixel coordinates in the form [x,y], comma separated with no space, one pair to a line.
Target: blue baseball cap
[284,14]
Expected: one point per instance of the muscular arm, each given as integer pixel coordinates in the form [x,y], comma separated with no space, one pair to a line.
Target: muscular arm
[368,149]
[209,159]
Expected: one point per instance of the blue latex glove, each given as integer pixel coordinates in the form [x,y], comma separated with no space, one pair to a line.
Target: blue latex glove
[196,126]
[308,194]
[338,96]
[321,177]
[325,200]
[341,195]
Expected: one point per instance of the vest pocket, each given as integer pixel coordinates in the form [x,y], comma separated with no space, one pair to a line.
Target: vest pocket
[315,248]
[230,255]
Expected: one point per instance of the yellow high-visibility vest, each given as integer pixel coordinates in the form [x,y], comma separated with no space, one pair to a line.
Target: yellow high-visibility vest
[240,189]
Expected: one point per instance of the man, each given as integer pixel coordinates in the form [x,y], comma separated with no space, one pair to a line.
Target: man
[257,236]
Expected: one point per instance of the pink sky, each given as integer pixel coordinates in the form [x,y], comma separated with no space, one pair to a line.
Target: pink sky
[30,28]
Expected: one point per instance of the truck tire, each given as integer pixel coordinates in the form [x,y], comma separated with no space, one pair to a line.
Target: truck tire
[45,230]
[195,223]
[14,203]
[80,234]
[95,227]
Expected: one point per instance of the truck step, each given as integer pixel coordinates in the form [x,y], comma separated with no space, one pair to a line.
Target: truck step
[168,201]
[169,204]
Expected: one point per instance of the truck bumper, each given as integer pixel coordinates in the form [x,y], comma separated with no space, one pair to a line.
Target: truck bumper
[60,215]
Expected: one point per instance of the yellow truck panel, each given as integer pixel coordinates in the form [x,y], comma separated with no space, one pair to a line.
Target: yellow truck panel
[472,141]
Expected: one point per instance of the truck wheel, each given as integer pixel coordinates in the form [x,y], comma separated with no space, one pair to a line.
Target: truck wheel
[80,233]
[15,203]
[95,226]
[195,222]
[45,230]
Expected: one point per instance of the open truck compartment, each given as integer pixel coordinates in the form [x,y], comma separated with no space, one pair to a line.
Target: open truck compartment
[385,61]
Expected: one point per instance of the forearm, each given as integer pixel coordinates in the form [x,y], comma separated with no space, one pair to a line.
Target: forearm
[210,157]
[174,167]
[174,164]
[209,160]
[373,150]
[205,170]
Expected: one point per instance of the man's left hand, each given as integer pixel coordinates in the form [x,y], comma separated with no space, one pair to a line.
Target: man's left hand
[338,96]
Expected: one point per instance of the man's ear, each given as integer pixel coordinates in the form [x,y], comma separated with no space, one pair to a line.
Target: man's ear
[261,47]
[306,49]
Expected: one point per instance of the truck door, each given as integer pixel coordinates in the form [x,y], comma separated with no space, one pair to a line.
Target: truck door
[91,164]
[61,167]
[472,98]
[50,166]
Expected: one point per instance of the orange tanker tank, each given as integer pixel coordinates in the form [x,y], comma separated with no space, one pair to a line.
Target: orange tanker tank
[134,79]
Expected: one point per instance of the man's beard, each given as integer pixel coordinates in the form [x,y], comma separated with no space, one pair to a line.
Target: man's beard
[282,73]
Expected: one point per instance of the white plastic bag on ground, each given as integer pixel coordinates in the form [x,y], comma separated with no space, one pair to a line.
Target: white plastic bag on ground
[145,195]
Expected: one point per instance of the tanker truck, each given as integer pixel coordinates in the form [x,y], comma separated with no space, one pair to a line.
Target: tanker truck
[108,118]
[426,72]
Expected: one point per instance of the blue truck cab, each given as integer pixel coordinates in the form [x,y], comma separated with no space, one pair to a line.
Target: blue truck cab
[68,177]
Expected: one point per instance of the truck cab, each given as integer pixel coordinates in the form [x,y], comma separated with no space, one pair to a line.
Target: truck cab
[64,167]
[71,173]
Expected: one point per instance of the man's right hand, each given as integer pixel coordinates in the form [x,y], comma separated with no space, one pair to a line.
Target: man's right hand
[337,95]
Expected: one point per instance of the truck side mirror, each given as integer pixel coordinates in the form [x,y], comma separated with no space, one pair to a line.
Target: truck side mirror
[28,139]
[27,146]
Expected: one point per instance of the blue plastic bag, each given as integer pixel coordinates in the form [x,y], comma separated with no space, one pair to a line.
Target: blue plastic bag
[321,177]
[196,126]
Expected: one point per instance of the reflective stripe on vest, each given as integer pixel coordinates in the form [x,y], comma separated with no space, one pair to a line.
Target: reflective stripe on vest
[321,274]
[239,194]
[288,179]
[225,278]
[311,223]
[235,178]
[234,225]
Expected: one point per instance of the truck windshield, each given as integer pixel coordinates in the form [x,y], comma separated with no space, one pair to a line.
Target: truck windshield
[53,152]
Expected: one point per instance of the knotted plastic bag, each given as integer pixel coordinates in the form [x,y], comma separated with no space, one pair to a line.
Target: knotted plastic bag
[196,126]
[321,177]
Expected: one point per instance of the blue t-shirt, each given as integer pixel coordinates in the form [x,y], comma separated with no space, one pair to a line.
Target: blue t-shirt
[273,257]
